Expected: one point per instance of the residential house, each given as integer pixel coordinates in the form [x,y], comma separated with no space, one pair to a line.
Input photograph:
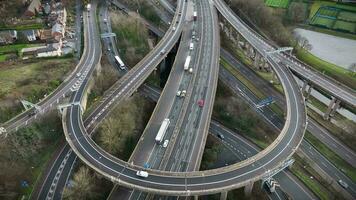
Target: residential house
[58,31]
[53,49]
[8,37]
[33,8]
[31,35]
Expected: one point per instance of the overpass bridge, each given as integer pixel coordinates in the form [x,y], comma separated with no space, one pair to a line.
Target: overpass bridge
[189,183]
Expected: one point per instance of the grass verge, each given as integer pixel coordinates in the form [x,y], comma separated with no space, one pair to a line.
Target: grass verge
[250,86]
[331,156]
[29,80]
[338,73]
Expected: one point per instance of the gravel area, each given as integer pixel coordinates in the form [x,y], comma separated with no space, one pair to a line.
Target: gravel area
[336,50]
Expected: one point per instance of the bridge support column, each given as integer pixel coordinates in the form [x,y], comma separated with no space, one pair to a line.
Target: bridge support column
[256,62]
[223,195]
[266,66]
[248,189]
[333,106]
[162,66]
[336,106]
[196,197]
[305,84]
[308,92]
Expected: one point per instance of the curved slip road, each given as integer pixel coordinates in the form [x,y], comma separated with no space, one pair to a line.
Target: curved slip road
[189,183]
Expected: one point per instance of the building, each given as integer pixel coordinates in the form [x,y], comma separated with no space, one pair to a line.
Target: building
[49,50]
[45,34]
[58,31]
[31,35]
[53,49]
[8,37]
[33,8]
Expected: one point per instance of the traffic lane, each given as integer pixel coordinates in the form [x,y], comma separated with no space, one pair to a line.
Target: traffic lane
[263,46]
[53,98]
[328,167]
[178,182]
[336,89]
[245,148]
[188,82]
[199,116]
[164,105]
[64,176]
[262,84]
[46,185]
[235,84]
[343,151]
[301,146]
[325,137]
[126,84]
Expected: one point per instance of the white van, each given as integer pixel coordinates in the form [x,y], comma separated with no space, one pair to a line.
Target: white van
[142,174]
[191,46]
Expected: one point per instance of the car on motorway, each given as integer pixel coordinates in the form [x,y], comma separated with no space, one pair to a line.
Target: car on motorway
[78,74]
[201,103]
[142,174]
[174,28]
[165,143]
[162,52]
[343,184]
[32,113]
[2,130]
[221,136]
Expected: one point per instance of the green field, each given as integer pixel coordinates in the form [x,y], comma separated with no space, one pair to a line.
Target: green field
[347,16]
[277,3]
[323,22]
[333,16]
[317,4]
[345,26]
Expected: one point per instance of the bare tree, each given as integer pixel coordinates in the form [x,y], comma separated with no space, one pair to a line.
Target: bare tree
[352,67]
[83,186]
[297,12]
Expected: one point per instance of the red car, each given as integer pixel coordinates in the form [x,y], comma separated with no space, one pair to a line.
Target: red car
[201,103]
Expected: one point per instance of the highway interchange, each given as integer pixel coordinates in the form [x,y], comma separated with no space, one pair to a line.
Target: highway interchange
[163,182]
[190,183]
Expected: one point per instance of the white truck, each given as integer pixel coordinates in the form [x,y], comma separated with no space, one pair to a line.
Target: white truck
[187,62]
[191,46]
[162,131]
[88,7]
[271,185]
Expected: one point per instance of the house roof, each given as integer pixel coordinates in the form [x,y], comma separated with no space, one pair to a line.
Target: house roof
[34,6]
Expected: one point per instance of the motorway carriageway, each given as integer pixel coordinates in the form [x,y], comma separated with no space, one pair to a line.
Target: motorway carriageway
[197,182]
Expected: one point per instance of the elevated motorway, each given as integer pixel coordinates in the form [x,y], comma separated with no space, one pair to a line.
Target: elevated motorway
[193,124]
[190,183]
[341,92]
[86,63]
[189,123]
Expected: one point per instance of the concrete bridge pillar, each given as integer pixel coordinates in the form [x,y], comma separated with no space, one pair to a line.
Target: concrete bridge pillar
[196,197]
[162,65]
[248,189]
[256,62]
[305,84]
[336,106]
[223,195]
[308,92]
[333,106]
[266,66]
